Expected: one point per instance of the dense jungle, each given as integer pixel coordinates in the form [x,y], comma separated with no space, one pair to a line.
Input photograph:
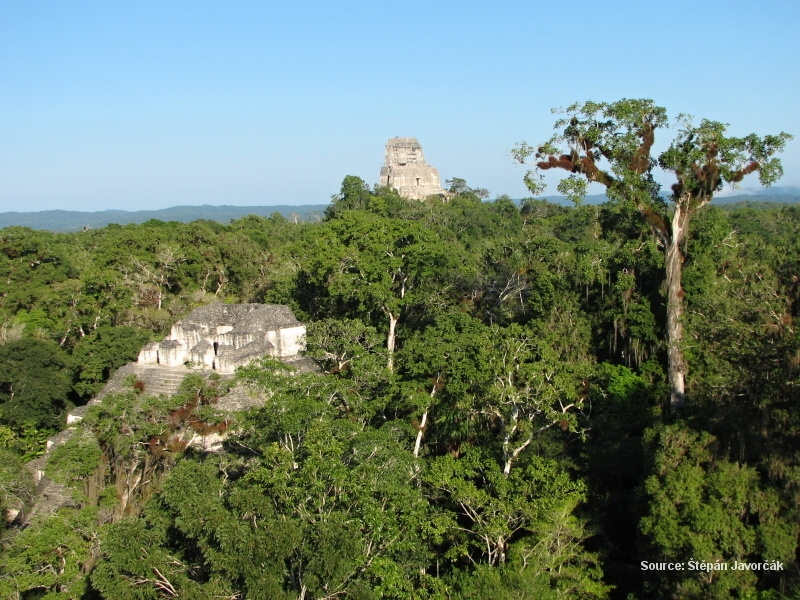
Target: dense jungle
[494,414]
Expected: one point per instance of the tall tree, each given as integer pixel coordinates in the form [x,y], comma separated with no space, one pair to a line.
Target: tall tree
[34,384]
[354,195]
[611,144]
[379,265]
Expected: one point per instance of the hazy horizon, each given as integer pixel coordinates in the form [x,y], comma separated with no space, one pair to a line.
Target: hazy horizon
[777,191]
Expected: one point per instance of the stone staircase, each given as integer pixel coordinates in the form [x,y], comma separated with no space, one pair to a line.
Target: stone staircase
[161,380]
[157,380]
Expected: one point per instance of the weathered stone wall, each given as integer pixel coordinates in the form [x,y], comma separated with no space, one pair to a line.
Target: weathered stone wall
[225,336]
[406,171]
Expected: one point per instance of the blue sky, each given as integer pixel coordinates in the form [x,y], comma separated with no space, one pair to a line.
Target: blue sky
[147,105]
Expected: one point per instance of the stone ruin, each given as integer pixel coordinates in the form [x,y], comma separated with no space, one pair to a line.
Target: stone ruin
[218,337]
[222,337]
[406,171]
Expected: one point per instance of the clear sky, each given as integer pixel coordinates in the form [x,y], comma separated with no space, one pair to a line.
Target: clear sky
[144,105]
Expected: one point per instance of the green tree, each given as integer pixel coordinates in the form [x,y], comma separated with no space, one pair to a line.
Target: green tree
[513,382]
[98,355]
[51,558]
[611,143]
[710,510]
[520,524]
[353,353]
[16,484]
[319,506]
[372,265]
[34,385]
[137,562]
[458,187]
[354,195]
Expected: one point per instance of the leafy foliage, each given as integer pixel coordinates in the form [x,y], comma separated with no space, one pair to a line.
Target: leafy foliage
[34,385]
[489,418]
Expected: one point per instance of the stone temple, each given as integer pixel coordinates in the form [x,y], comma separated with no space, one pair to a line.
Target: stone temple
[225,336]
[216,337]
[406,171]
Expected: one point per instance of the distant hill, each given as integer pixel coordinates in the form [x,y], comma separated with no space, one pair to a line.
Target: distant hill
[68,220]
[760,200]
[590,199]
[778,195]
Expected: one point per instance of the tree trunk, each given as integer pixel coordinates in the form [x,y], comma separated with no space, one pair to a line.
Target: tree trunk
[510,457]
[391,338]
[424,420]
[500,550]
[422,425]
[674,268]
